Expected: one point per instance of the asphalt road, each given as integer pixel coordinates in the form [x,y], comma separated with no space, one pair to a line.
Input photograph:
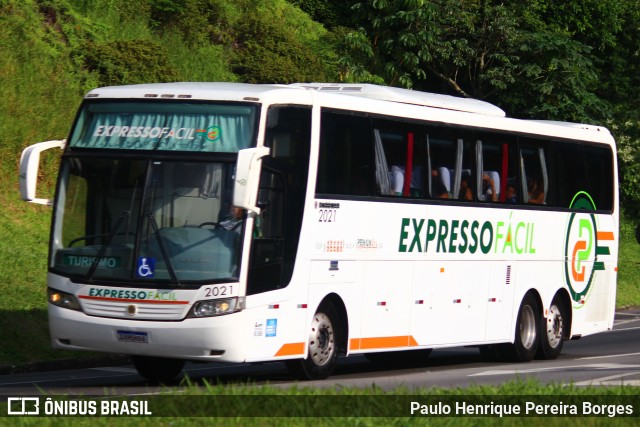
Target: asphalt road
[609,358]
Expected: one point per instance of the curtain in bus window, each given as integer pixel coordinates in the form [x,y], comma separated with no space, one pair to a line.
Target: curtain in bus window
[382,170]
[164,131]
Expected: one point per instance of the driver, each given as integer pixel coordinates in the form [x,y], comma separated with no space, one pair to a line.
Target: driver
[232,222]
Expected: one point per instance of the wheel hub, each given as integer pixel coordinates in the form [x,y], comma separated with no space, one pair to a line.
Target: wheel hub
[554,326]
[321,342]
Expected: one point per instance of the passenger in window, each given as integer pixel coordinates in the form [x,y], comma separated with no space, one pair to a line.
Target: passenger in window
[535,194]
[438,189]
[488,189]
[396,179]
[511,195]
[465,189]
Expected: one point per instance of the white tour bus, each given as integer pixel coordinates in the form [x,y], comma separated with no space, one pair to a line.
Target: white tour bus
[251,223]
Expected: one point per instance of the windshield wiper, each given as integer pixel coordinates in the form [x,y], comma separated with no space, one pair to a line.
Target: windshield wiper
[163,250]
[105,245]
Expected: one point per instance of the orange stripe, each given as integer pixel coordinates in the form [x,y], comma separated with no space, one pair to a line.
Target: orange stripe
[382,342]
[139,301]
[291,349]
[605,235]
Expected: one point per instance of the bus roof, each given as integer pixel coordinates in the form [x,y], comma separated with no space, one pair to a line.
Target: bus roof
[301,93]
[185,90]
[407,96]
[240,92]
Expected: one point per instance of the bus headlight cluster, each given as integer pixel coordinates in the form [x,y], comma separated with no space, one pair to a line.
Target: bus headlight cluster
[63,299]
[216,307]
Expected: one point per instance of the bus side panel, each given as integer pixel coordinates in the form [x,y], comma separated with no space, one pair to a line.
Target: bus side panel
[386,294]
[342,278]
[276,329]
[595,310]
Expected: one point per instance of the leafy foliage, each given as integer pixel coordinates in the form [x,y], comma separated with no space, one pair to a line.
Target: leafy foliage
[128,62]
[330,13]
[277,43]
[269,53]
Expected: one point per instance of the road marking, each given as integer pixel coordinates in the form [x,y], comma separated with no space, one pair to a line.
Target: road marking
[116,369]
[622,330]
[609,356]
[607,380]
[629,314]
[598,366]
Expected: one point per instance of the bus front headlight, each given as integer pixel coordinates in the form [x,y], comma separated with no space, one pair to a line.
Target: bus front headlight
[63,299]
[216,307]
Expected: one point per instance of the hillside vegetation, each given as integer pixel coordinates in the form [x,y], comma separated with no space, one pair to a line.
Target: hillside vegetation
[53,51]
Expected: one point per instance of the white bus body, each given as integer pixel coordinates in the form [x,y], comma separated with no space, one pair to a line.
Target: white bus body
[332,253]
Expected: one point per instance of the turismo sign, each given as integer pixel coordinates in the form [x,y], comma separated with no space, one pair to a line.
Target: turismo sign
[430,235]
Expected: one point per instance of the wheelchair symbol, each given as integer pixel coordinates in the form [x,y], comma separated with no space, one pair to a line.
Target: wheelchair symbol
[146,267]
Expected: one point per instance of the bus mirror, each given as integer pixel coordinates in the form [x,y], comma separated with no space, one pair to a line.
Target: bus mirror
[29,165]
[245,189]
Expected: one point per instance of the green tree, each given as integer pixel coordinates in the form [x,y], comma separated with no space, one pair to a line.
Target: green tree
[500,51]
[128,62]
[330,13]
[278,45]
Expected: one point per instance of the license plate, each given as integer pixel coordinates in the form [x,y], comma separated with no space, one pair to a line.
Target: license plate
[130,336]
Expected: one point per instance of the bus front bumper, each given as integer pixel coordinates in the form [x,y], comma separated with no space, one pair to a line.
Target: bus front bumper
[206,339]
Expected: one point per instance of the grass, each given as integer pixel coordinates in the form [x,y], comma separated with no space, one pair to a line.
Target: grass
[628,294]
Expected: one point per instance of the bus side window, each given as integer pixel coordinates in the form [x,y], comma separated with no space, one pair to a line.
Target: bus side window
[345,164]
[442,162]
[401,156]
[582,168]
[451,165]
[496,169]
[534,173]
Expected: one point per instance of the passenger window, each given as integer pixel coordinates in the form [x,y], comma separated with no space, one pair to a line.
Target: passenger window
[496,174]
[536,188]
[442,159]
[582,168]
[346,155]
[450,165]
[400,162]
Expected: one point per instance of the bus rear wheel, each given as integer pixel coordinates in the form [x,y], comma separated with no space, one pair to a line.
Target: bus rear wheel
[552,331]
[526,341]
[157,368]
[323,347]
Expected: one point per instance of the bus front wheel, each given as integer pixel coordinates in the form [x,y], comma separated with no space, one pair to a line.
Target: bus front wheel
[157,368]
[323,347]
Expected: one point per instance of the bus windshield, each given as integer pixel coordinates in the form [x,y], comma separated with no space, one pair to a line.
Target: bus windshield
[136,220]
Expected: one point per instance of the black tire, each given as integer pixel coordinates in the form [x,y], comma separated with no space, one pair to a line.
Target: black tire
[157,369]
[323,347]
[527,333]
[400,359]
[552,331]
